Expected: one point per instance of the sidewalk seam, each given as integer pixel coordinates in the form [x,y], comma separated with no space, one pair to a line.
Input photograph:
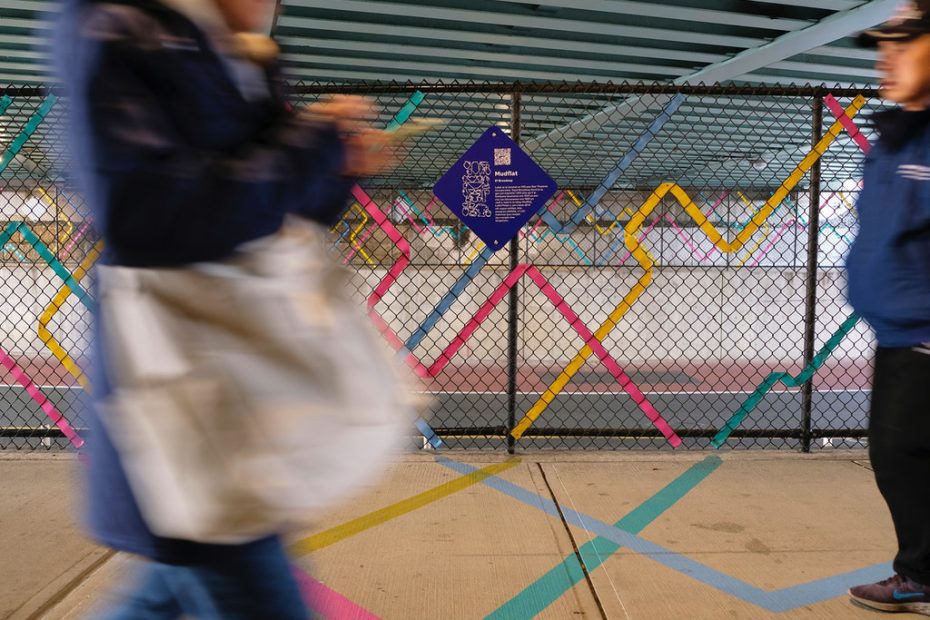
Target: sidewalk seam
[68,588]
[571,538]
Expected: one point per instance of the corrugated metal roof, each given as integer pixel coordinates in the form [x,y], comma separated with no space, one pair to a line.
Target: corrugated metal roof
[711,140]
[504,40]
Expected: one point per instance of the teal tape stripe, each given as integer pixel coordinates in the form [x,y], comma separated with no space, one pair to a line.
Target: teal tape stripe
[49,258]
[5,102]
[404,114]
[31,126]
[534,599]
[790,381]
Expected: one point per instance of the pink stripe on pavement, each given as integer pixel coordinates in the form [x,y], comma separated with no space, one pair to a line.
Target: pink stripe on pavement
[327,602]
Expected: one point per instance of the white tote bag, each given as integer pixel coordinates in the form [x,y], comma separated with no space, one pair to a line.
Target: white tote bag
[250,394]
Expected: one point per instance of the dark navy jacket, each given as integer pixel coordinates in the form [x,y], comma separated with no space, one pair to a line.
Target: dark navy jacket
[178,166]
[889,262]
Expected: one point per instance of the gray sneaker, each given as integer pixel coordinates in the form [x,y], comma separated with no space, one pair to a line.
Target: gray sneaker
[897,594]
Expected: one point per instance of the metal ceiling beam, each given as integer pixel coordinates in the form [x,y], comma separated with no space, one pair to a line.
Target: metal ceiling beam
[13,65]
[410,34]
[830,29]
[23,39]
[32,54]
[848,53]
[834,5]
[379,51]
[681,13]
[369,11]
[863,73]
[38,6]
[480,71]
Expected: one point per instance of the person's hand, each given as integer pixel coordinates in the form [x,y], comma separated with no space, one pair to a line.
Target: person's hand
[372,152]
[350,114]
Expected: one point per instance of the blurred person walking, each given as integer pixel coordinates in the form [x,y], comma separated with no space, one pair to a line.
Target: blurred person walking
[186,151]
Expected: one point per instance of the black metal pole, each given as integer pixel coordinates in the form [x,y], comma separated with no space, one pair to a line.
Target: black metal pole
[813,237]
[514,318]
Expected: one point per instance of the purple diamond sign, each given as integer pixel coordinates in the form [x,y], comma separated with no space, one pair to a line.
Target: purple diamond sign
[495,188]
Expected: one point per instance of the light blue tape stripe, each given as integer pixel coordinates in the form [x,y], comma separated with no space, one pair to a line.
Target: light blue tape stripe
[594,199]
[12,249]
[31,126]
[551,586]
[348,228]
[429,434]
[777,601]
[446,303]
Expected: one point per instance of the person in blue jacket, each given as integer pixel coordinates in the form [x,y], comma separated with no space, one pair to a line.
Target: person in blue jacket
[185,149]
[889,285]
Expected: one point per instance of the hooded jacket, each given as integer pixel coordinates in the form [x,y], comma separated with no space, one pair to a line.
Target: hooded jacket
[184,150]
[889,262]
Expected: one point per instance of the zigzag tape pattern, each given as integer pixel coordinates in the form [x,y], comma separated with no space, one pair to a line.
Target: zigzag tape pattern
[647,262]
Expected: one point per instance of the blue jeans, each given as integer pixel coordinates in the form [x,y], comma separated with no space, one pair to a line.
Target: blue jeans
[252,582]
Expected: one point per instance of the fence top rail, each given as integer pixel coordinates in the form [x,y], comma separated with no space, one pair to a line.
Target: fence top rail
[625,88]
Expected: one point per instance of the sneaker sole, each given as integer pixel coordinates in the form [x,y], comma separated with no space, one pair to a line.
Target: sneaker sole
[912,608]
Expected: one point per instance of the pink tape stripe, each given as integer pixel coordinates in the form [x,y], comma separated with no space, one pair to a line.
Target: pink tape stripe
[77,236]
[359,244]
[771,244]
[598,348]
[701,256]
[327,602]
[848,124]
[41,400]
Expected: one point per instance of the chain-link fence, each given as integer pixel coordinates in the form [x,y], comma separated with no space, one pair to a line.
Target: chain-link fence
[685,285]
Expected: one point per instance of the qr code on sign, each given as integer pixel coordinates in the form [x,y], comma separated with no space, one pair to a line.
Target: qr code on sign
[501,157]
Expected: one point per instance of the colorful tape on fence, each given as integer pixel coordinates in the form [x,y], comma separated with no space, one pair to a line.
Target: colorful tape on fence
[786,379]
[40,399]
[428,224]
[31,126]
[851,128]
[619,170]
[496,297]
[807,373]
[423,330]
[46,254]
[73,241]
[647,262]
[45,335]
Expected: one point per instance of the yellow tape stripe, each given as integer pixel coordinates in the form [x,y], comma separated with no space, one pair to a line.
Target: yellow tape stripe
[355,233]
[366,522]
[53,308]
[768,233]
[647,262]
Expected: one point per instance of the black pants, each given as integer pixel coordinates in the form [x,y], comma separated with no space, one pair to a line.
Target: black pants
[899,447]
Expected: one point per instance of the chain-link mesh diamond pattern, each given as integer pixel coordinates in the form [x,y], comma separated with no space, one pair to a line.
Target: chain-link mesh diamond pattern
[656,294]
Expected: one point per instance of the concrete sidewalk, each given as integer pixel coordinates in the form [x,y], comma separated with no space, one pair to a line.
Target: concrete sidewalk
[464,535]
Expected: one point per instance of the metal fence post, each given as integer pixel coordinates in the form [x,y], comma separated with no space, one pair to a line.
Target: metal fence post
[813,239]
[514,318]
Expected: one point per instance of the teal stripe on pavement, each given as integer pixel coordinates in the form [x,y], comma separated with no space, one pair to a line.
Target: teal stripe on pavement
[550,587]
